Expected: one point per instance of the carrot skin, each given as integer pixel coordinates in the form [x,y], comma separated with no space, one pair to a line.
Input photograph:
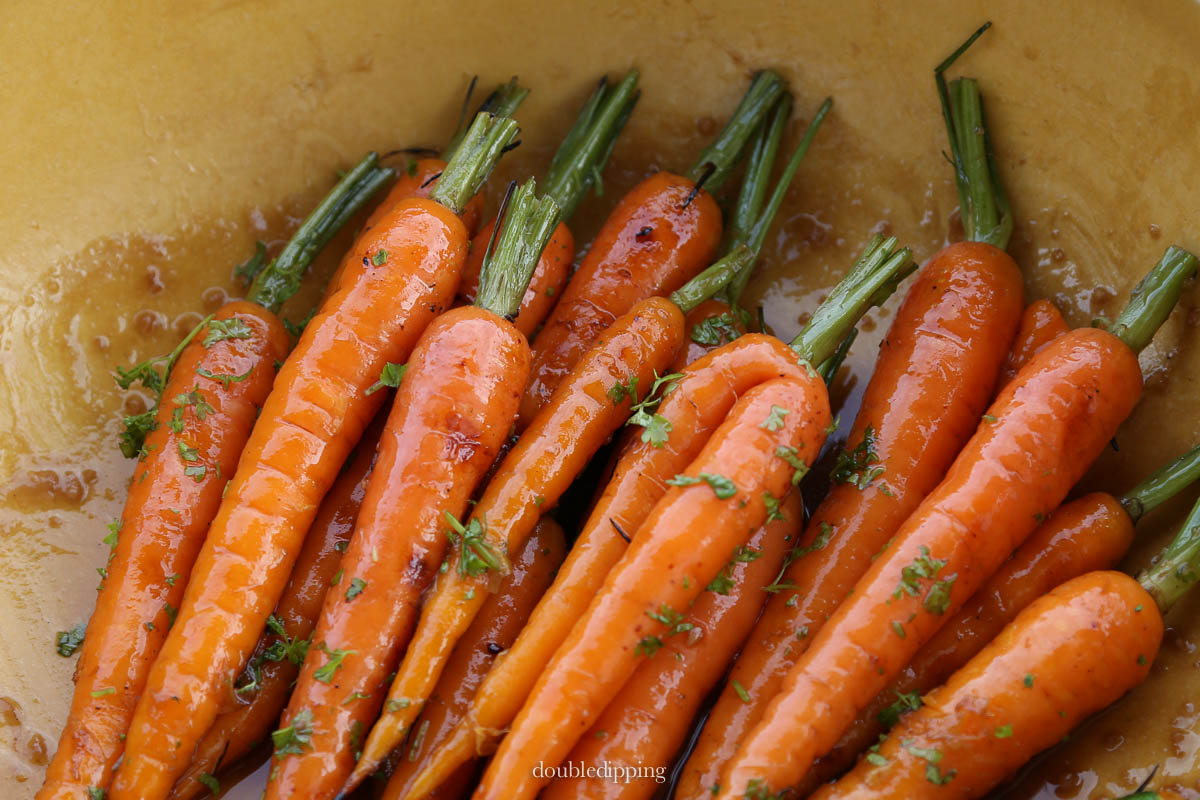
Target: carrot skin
[1068,655]
[698,343]
[313,417]
[1041,323]
[682,545]
[650,717]
[244,725]
[452,412]
[935,375]
[1090,533]
[546,285]
[419,180]
[493,631]
[695,408]
[582,414]
[651,244]
[1049,424]
[163,524]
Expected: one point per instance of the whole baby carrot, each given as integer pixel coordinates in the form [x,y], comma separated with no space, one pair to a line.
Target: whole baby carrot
[492,632]
[1040,324]
[397,277]
[1034,443]
[453,411]
[1090,533]
[210,391]
[261,694]
[576,167]
[662,232]
[693,403]
[588,408]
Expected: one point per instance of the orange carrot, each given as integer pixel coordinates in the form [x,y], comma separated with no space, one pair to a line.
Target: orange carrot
[1041,322]
[455,407]
[936,372]
[1090,533]
[591,404]
[492,632]
[648,720]
[1034,443]
[722,497]
[396,278]
[1069,654]
[213,385]
[661,234]
[693,404]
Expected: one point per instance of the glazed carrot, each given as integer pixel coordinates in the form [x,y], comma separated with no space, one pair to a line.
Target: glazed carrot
[257,700]
[649,718]
[1041,322]
[1090,533]
[1067,655]
[693,405]
[590,405]
[1034,443]
[403,273]
[211,388]
[682,546]
[579,161]
[936,373]
[492,632]
[453,411]
[662,232]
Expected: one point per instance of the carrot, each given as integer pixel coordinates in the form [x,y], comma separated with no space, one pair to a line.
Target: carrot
[535,734]
[453,411]
[1090,533]
[575,168]
[591,404]
[649,718]
[261,694]
[1041,323]
[492,632]
[402,274]
[1034,443]
[1070,653]
[213,384]
[662,232]
[936,373]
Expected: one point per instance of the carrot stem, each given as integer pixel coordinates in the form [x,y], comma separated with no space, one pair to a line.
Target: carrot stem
[1162,485]
[717,161]
[1153,298]
[281,278]
[757,178]
[830,366]
[504,101]
[526,223]
[581,157]
[713,279]
[1175,571]
[869,283]
[986,214]
[485,141]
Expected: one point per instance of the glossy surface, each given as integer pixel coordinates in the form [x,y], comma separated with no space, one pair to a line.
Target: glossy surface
[653,242]
[248,719]
[492,633]
[1087,534]
[936,373]
[688,537]
[1069,654]
[1050,424]
[1041,323]
[724,327]
[313,418]
[202,425]
[212,125]
[650,717]
[551,453]
[452,412]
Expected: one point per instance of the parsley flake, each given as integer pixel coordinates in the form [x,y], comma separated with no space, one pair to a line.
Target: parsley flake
[293,739]
[222,330]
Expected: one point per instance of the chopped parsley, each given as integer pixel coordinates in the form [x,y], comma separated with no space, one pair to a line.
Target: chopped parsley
[105,692]
[477,555]
[293,739]
[67,642]
[773,511]
[657,428]
[221,330]
[723,583]
[932,757]
[619,391]
[905,702]
[397,705]
[719,329]
[380,257]
[226,379]
[209,782]
[923,566]
[938,599]
[1028,681]
[196,472]
[1004,732]
[722,487]
[855,466]
[791,457]
[96,793]
[672,619]
[774,420]
[740,690]
[389,376]
[336,657]
[356,588]
[648,646]
[172,612]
